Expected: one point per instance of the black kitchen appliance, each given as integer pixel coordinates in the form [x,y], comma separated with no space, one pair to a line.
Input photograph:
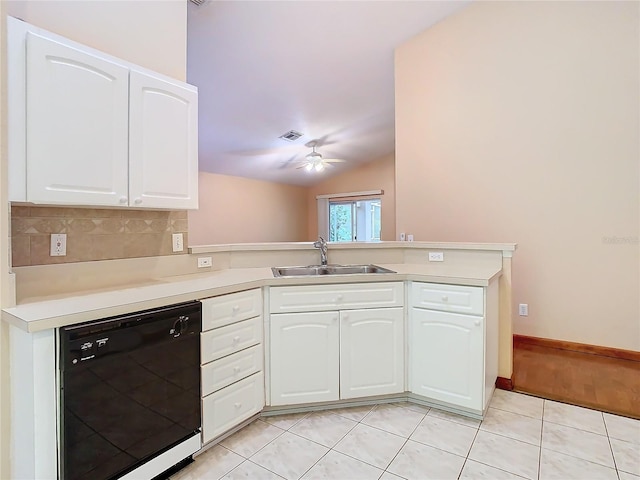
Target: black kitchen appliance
[130,390]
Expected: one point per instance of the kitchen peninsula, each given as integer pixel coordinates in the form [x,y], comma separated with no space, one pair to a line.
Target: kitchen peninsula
[471,284]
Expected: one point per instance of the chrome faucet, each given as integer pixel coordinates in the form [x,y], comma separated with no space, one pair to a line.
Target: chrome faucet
[322,245]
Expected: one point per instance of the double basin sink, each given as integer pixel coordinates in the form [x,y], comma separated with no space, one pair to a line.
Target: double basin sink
[316,270]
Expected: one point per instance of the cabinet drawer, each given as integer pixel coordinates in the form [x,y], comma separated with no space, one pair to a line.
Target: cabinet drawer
[224,341]
[225,371]
[227,309]
[448,298]
[312,298]
[223,410]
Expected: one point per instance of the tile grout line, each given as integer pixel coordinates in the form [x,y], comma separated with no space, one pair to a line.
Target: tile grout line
[405,442]
[613,455]
[469,451]
[330,449]
[544,402]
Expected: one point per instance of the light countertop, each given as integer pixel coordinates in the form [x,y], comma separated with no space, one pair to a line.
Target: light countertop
[52,312]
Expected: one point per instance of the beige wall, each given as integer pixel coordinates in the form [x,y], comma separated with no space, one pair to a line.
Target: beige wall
[149,33]
[377,175]
[242,210]
[519,122]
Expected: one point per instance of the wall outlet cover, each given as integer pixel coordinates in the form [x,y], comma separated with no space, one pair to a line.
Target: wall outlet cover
[204,262]
[523,309]
[178,242]
[58,245]
[436,256]
[410,238]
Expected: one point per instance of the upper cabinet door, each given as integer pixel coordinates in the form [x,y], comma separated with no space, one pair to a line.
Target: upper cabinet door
[76,125]
[163,142]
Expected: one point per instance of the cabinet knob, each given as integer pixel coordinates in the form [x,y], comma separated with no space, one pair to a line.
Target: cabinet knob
[236,339]
[477,323]
[236,369]
[235,309]
[123,200]
[445,298]
[339,298]
[137,201]
[237,405]
[345,316]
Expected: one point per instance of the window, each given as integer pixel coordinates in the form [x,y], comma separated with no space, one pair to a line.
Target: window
[352,217]
[354,221]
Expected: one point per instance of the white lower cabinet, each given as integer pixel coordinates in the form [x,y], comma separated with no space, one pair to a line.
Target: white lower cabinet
[226,408]
[304,357]
[371,352]
[453,344]
[447,357]
[350,348]
[232,357]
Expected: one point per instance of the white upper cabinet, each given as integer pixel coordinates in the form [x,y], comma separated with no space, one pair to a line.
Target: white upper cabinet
[76,126]
[89,129]
[163,142]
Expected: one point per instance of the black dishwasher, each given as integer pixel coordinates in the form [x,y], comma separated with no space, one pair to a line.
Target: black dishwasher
[130,390]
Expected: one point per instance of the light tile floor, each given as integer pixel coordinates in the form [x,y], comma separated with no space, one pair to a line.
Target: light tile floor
[520,437]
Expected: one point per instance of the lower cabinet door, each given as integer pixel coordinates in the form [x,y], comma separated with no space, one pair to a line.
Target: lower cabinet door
[447,357]
[304,357]
[226,408]
[371,352]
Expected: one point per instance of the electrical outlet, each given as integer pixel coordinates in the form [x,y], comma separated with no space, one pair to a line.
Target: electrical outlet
[523,309]
[402,237]
[409,238]
[204,262]
[178,240]
[436,256]
[58,244]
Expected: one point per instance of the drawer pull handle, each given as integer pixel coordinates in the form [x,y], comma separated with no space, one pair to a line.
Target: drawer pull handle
[236,339]
[235,309]
[237,405]
[445,298]
[236,369]
[477,323]
[339,298]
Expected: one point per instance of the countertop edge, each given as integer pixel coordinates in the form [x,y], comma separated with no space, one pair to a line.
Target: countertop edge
[31,317]
[275,246]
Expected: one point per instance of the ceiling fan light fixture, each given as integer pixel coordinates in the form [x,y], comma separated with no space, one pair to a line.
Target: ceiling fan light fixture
[308,167]
[319,166]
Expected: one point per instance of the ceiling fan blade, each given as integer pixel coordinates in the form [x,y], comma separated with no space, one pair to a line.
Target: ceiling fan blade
[287,163]
[333,160]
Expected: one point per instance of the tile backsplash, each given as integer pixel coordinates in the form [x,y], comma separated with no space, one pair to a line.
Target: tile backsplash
[92,234]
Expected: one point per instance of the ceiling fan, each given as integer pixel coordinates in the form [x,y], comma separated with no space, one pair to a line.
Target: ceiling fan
[314,161]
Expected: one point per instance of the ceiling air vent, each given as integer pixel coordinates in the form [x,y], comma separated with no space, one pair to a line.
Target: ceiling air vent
[290,136]
[198,2]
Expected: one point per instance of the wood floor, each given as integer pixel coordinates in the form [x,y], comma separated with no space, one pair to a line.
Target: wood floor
[584,379]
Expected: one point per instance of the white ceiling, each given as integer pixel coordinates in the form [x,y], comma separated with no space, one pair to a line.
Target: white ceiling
[323,68]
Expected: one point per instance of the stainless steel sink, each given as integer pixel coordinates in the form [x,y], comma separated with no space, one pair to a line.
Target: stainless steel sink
[314,270]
